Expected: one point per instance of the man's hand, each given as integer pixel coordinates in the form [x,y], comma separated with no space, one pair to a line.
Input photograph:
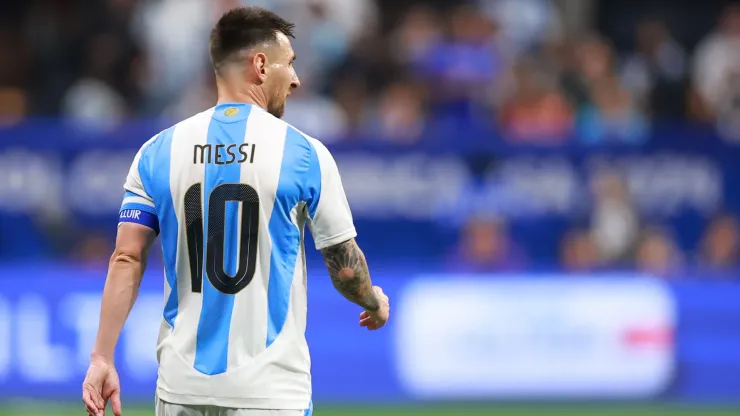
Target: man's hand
[125,271]
[376,319]
[101,384]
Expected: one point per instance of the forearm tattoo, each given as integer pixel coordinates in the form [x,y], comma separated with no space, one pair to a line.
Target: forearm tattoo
[350,275]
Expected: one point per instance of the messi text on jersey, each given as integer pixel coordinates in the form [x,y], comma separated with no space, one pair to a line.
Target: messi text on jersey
[222,154]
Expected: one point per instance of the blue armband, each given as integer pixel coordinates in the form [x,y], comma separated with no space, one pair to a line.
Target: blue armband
[139,216]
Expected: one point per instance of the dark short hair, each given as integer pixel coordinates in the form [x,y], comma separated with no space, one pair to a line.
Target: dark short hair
[244,27]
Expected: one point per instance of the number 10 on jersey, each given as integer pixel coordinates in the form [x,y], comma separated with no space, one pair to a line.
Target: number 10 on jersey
[215,246]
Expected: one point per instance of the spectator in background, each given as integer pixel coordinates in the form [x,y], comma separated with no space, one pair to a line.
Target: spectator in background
[316,115]
[416,35]
[536,112]
[470,58]
[399,114]
[716,67]
[612,118]
[525,24]
[578,252]
[568,66]
[92,101]
[728,119]
[614,221]
[358,18]
[51,34]
[14,77]
[655,72]
[658,255]
[167,30]
[93,250]
[351,93]
[195,97]
[486,246]
[606,112]
[720,244]
[13,105]
[588,61]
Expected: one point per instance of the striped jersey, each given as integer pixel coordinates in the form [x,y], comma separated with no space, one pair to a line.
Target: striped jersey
[229,191]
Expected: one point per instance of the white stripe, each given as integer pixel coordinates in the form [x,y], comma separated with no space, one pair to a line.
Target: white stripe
[184,174]
[137,200]
[248,330]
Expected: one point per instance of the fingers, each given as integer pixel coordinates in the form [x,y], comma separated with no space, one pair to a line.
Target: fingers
[373,326]
[115,401]
[90,406]
[364,315]
[376,320]
[101,412]
[94,403]
[99,402]
[365,318]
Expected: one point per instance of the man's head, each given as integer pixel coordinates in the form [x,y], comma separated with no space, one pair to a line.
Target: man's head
[252,44]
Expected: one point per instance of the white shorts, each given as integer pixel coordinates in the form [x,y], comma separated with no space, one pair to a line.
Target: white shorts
[171,409]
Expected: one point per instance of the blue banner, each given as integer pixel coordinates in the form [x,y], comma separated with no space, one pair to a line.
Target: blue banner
[408,201]
[454,337]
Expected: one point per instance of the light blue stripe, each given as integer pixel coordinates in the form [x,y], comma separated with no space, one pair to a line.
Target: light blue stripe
[309,411]
[296,183]
[212,341]
[154,170]
[313,179]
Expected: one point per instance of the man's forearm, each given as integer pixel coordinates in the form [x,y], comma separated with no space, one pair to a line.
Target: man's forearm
[119,295]
[350,275]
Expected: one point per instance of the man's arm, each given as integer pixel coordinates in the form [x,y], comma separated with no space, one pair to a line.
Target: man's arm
[350,275]
[330,221]
[137,228]
[125,271]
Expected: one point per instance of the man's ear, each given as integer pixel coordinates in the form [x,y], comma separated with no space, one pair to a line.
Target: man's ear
[259,64]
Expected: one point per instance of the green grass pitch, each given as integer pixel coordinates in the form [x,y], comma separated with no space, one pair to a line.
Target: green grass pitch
[441,410]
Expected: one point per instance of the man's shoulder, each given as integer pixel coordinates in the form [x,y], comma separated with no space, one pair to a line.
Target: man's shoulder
[298,136]
[313,142]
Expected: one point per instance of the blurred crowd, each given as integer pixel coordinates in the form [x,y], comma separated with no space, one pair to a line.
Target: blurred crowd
[378,69]
[391,70]
[612,237]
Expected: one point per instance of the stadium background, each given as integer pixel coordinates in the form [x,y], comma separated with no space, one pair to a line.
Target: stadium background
[547,189]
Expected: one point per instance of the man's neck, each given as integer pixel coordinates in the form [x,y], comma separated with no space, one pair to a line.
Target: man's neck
[247,94]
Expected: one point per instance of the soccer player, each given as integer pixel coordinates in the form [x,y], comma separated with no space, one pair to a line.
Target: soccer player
[229,191]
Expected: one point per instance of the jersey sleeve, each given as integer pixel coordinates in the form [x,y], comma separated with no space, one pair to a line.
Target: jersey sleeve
[138,206]
[329,215]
